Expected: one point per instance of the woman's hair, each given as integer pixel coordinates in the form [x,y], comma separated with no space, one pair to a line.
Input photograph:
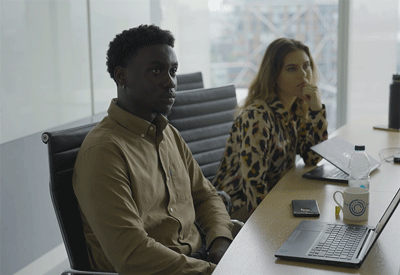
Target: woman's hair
[264,86]
[126,44]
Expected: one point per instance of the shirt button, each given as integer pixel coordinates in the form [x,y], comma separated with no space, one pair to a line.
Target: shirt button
[171,209]
[142,135]
[167,178]
[151,128]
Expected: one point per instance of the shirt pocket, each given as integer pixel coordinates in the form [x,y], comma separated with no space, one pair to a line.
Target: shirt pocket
[180,180]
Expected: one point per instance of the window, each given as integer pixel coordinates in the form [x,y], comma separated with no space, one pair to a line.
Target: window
[240,32]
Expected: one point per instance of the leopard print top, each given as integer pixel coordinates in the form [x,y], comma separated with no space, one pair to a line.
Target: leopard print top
[262,147]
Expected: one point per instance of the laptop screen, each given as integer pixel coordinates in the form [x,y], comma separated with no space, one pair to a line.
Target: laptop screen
[388,213]
[373,236]
[338,151]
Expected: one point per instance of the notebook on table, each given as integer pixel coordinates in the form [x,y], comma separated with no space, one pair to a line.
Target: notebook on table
[337,151]
[313,241]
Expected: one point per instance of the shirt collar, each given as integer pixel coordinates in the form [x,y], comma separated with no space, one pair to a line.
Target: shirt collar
[277,107]
[136,124]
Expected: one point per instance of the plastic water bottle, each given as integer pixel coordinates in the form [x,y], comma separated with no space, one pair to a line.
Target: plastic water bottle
[359,168]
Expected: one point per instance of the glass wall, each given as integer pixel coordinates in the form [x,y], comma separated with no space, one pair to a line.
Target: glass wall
[189,21]
[108,18]
[44,65]
[52,69]
[240,32]
[52,60]
[53,53]
[373,57]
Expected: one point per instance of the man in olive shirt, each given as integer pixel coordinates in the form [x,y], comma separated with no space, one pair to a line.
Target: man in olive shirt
[139,189]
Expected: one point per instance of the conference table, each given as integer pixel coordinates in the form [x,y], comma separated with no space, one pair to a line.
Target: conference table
[253,249]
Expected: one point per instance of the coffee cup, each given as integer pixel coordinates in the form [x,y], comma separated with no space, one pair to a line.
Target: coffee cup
[355,203]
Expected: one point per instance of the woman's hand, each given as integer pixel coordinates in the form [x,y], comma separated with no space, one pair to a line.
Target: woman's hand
[312,96]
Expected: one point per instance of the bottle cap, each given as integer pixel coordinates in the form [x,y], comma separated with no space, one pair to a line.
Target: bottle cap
[396,77]
[359,147]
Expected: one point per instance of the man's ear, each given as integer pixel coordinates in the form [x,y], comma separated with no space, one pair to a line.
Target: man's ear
[119,75]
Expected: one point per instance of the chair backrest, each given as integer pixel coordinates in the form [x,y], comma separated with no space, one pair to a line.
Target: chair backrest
[63,147]
[204,118]
[189,81]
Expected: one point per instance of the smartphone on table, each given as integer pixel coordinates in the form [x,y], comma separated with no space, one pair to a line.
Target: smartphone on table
[305,208]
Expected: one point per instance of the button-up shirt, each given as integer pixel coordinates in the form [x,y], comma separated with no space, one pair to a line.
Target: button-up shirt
[140,192]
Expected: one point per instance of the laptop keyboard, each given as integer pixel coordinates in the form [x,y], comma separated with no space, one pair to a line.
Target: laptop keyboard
[336,173]
[339,242]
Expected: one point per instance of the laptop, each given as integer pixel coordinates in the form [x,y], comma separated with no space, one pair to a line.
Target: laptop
[311,241]
[337,152]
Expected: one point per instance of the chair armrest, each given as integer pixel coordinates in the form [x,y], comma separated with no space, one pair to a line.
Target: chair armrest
[237,223]
[228,200]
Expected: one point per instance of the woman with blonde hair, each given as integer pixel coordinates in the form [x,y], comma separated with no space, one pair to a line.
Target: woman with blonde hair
[282,116]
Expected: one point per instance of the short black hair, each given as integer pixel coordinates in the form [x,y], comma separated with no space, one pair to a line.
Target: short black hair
[126,44]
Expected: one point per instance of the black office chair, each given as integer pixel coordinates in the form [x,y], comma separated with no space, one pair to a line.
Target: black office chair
[189,81]
[204,118]
[63,147]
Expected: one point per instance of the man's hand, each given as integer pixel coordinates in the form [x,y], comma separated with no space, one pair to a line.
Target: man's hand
[312,97]
[218,248]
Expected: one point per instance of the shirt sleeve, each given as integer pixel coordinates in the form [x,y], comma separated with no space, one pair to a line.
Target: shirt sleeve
[254,144]
[312,131]
[104,196]
[211,214]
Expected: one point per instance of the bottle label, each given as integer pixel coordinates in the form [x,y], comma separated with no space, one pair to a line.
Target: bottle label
[359,183]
